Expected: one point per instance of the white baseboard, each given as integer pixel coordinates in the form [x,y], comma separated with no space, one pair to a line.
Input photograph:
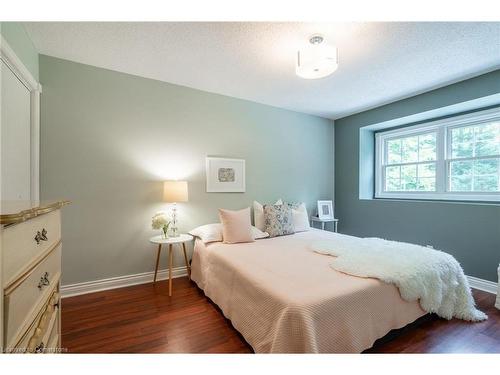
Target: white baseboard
[147,277]
[118,282]
[484,285]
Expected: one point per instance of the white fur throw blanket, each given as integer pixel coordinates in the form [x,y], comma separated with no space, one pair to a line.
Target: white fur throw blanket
[431,276]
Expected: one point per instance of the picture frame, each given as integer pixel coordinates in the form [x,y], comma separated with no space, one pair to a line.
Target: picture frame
[225,175]
[325,210]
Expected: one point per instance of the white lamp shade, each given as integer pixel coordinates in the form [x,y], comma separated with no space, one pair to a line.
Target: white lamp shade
[175,191]
[316,61]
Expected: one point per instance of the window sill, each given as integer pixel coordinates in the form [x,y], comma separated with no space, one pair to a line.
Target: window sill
[457,198]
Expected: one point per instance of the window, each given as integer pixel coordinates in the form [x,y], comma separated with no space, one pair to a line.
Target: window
[475,154]
[411,163]
[457,158]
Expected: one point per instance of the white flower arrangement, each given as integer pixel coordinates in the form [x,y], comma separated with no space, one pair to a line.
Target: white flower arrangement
[160,221]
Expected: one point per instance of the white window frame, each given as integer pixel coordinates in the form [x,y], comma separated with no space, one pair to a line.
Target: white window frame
[443,145]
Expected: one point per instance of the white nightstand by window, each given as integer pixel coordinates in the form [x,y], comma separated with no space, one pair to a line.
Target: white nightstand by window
[315,219]
[181,240]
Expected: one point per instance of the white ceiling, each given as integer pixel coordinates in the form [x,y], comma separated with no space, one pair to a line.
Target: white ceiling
[378,62]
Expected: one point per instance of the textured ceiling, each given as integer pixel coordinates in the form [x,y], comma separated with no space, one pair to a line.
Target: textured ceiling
[378,62]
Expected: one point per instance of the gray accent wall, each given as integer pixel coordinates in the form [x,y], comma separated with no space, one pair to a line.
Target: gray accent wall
[469,231]
[108,140]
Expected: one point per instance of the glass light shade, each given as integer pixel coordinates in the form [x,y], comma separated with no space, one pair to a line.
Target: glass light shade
[316,61]
[175,191]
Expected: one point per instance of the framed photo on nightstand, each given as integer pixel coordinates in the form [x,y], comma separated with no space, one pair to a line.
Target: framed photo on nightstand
[325,210]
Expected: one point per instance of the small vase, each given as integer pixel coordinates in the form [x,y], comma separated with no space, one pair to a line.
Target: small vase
[164,234]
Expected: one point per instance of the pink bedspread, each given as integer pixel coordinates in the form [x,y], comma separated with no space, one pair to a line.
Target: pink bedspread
[285,298]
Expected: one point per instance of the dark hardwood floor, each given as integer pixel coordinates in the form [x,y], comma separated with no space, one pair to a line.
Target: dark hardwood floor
[143,319]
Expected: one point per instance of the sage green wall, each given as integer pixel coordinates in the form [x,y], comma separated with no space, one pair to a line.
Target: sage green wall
[468,231]
[18,39]
[108,140]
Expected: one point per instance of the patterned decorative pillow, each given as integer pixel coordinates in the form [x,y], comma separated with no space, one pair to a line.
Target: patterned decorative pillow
[278,220]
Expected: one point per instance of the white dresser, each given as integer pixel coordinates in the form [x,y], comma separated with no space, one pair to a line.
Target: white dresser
[30,273]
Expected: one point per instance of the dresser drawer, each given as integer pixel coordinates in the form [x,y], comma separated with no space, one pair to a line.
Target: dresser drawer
[42,341]
[27,297]
[20,248]
[40,335]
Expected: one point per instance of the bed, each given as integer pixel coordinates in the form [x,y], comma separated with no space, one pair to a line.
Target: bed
[285,298]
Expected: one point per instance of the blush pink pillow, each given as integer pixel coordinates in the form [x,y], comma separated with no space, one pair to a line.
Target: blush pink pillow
[236,225]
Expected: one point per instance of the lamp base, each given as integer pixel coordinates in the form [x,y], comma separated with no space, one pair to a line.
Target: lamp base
[175,231]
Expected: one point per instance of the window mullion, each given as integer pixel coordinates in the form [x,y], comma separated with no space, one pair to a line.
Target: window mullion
[441,160]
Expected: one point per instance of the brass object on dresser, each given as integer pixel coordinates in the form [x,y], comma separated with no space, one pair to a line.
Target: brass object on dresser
[30,276]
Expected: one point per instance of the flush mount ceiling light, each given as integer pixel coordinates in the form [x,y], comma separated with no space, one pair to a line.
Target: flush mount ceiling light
[317,59]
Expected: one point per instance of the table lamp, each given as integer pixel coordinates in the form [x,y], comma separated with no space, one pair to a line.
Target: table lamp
[174,192]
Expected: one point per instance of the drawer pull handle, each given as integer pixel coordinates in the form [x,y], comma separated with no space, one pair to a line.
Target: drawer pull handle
[44,281]
[41,236]
[38,237]
[39,348]
[44,234]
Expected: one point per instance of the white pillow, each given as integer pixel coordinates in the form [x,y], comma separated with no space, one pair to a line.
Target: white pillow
[300,218]
[258,214]
[213,233]
[208,233]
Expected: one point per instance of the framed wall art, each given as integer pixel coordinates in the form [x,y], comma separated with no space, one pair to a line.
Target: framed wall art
[225,175]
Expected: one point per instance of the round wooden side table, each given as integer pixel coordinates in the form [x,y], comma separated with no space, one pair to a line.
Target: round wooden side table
[181,240]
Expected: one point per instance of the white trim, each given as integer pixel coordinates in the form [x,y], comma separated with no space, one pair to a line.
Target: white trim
[118,282]
[462,196]
[18,68]
[484,285]
[441,127]
[147,277]
[14,63]
[35,145]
